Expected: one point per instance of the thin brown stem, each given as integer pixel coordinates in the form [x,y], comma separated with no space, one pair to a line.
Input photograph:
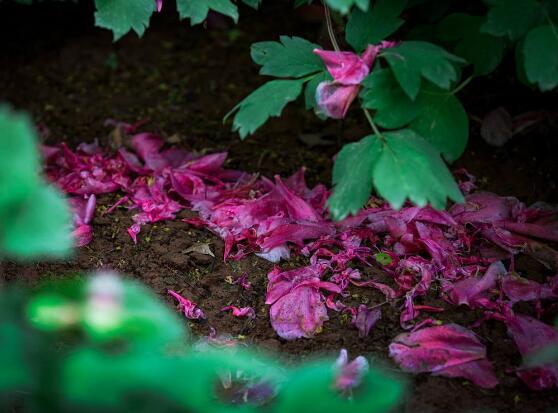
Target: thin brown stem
[330,30]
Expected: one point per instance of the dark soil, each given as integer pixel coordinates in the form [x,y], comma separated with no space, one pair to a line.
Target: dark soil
[71,78]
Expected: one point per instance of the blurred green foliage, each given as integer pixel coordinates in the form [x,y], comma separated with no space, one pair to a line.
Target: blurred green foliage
[34,217]
[108,344]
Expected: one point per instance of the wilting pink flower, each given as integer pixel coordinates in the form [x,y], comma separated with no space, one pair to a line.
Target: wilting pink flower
[449,350]
[348,71]
[190,310]
[240,312]
[349,375]
[365,319]
[530,336]
[297,306]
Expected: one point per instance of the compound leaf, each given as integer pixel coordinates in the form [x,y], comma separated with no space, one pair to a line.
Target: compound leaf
[412,60]
[511,18]
[265,102]
[375,24]
[196,10]
[291,57]
[410,168]
[121,16]
[352,176]
[541,56]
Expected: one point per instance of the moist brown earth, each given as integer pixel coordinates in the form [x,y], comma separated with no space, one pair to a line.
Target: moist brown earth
[71,78]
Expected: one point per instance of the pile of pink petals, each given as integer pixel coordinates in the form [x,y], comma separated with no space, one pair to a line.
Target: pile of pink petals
[456,255]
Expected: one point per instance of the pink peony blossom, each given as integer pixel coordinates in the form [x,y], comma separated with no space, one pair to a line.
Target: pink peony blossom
[348,71]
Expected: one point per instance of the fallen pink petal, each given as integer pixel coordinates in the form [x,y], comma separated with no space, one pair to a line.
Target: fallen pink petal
[240,312]
[187,307]
[531,335]
[365,319]
[459,256]
[449,350]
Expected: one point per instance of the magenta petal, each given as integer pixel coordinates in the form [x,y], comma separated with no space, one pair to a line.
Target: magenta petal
[347,68]
[295,233]
[83,235]
[521,289]
[545,232]
[449,350]
[470,290]
[301,313]
[83,210]
[147,146]
[241,312]
[530,336]
[484,207]
[159,5]
[190,310]
[298,208]
[209,163]
[366,319]
[334,99]
[297,306]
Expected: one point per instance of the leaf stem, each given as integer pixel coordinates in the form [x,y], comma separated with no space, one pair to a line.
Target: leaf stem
[330,30]
[462,85]
[372,124]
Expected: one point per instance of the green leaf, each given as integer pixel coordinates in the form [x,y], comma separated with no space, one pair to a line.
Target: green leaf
[265,102]
[253,3]
[20,163]
[443,122]
[551,7]
[292,57]
[382,93]
[143,320]
[483,50]
[436,115]
[383,258]
[520,64]
[299,3]
[374,25]
[511,18]
[352,176]
[40,226]
[412,60]
[16,374]
[121,16]
[541,57]
[196,10]
[410,168]
[344,6]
